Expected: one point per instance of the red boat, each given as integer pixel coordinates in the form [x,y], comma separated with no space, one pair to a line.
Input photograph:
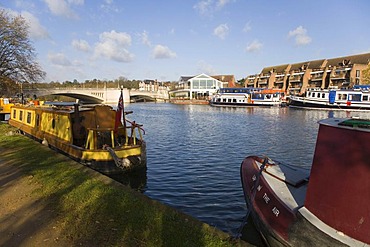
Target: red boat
[328,206]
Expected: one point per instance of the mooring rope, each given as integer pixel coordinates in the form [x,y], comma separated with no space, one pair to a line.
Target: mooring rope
[117,160]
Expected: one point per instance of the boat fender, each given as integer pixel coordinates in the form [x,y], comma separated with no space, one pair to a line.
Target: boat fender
[45,142]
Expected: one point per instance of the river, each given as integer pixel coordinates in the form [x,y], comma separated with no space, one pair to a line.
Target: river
[194,153]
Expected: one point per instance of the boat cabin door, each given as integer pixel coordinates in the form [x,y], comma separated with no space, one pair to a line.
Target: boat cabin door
[332,94]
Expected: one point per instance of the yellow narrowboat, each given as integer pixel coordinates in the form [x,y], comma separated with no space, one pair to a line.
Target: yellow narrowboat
[89,135]
[5,106]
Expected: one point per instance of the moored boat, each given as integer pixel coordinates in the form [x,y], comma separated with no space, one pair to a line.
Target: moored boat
[244,97]
[357,98]
[328,206]
[5,106]
[94,136]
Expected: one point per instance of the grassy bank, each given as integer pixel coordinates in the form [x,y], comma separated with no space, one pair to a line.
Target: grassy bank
[92,210]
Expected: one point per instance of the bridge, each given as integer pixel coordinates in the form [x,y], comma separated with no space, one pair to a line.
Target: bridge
[100,95]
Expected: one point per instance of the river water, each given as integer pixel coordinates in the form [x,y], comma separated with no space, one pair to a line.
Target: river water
[194,153]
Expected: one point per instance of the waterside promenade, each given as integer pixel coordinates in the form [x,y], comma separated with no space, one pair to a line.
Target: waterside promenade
[48,200]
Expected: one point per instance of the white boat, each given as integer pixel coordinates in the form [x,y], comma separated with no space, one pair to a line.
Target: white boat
[357,98]
[249,96]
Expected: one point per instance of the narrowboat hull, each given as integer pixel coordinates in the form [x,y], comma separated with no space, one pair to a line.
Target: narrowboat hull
[326,206]
[280,224]
[95,145]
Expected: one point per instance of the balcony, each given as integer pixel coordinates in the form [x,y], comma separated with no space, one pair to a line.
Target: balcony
[295,78]
[339,75]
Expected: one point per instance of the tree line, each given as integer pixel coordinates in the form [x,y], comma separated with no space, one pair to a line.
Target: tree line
[19,68]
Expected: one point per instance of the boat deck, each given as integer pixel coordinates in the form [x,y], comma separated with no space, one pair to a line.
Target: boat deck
[288,182]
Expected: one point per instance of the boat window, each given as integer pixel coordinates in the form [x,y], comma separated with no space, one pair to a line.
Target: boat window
[20,115]
[309,94]
[323,95]
[268,96]
[229,100]
[28,117]
[37,119]
[365,98]
[14,113]
[234,100]
[313,95]
[224,100]
[318,95]
[342,96]
[354,97]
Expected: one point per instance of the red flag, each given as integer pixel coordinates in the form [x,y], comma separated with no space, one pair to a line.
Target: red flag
[119,112]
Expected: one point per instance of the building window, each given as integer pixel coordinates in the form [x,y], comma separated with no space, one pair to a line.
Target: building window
[357,73]
[196,84]
[14,113]
[20,115]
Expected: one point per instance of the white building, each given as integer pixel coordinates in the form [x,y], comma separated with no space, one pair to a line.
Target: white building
[199,87]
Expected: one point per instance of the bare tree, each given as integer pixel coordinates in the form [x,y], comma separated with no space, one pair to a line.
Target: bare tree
[17,55]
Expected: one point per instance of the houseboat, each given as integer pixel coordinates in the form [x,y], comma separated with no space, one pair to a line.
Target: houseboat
[242,97]
[5,106]
[327,206]
[357,98]
[95,136]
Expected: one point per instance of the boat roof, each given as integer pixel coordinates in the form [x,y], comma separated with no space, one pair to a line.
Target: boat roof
[288,182]
[348,123]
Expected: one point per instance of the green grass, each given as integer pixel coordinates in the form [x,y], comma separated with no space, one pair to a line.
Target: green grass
[92,211]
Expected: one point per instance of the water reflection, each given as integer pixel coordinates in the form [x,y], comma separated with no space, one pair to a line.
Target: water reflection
[194,152]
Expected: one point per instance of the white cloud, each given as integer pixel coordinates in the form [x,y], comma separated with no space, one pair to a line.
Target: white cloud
[208,7]
[81,45]
[144,37]
[36,30]
[204,67]
[59,59]
[204,7]
[76,2]
[162,52]
[222,3]
[247,27]
[254,46]
[24,4]
[221,31]
[109,6]
[61,8]
[300,35]
[113,45]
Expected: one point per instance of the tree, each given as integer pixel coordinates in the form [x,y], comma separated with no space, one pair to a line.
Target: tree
[366,75]
[17,55]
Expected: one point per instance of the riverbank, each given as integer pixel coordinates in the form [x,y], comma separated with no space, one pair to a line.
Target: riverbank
[46,199]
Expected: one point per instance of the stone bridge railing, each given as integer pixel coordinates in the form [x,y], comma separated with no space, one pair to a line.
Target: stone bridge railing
[97,95]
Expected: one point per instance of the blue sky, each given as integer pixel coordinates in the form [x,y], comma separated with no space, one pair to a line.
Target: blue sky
[163,40]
